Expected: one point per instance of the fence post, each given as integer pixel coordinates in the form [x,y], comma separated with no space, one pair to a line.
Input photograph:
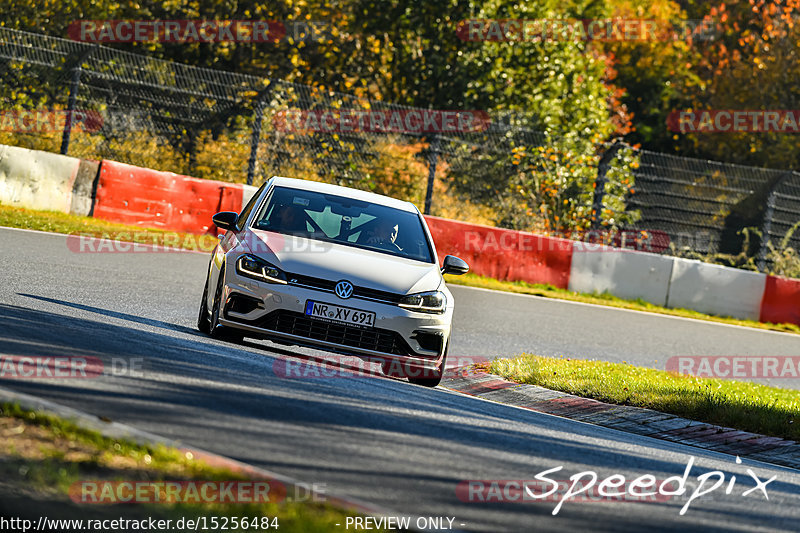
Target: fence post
[256,137]
[433,154]
[74,86]
[600,182]
[766,226]
[73,98]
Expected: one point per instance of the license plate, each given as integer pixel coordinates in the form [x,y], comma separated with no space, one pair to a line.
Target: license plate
[337,313]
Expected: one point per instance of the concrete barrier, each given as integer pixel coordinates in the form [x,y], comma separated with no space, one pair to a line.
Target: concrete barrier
[623,273]
[83,189]
[36,180]
[715,289]
[781,301]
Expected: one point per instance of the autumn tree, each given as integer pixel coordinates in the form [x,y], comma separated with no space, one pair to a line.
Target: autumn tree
[753,65]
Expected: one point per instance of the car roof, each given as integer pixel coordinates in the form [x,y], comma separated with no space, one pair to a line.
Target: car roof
[347,192]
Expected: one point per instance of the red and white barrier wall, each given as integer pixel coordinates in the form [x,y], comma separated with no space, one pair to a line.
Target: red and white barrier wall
[715,289]
[623,273]
[781,301]
[144,197]
[36,180]
[138,196]
[504,254]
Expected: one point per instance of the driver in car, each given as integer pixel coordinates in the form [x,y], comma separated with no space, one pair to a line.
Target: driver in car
[383,235]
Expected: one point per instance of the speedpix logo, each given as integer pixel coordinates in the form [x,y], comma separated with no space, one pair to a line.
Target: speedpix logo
[588,486]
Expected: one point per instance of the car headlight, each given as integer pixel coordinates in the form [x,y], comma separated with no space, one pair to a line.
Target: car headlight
[425,302]
[253,267]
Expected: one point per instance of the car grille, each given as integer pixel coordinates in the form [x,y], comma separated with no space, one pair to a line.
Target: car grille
[358,292]
[377,340]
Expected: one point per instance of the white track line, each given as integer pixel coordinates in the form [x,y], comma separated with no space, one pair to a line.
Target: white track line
[609,307]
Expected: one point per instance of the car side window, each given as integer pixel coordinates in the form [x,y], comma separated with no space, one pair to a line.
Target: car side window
[249,207]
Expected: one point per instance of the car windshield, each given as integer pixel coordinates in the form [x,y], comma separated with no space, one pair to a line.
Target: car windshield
[343,220]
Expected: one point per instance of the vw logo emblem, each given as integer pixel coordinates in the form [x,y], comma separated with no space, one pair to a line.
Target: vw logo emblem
[343,289]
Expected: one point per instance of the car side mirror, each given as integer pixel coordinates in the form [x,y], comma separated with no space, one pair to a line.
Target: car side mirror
[226,220]
[454,265]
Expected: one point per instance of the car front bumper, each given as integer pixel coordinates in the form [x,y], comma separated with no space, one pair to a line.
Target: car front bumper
[276,312]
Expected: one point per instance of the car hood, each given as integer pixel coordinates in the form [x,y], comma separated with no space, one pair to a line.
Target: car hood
[333,262]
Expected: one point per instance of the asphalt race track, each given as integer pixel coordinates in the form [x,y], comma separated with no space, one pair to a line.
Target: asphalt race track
[383,441]
[493,323]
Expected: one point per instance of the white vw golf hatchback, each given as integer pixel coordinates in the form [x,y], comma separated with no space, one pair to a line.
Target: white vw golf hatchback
[333,268]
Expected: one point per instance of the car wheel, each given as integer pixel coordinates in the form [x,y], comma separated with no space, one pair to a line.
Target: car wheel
[203,322]
[437,378]
[217,330]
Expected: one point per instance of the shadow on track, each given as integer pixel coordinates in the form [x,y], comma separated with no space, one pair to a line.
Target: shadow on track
[223,380]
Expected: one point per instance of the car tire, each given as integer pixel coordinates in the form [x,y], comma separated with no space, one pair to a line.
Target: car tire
[203,320]
[436,379]
[216,330]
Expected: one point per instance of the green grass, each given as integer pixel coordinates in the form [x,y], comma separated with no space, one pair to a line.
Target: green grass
[49,454]
[15,217]
[741,405]
[549,291]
